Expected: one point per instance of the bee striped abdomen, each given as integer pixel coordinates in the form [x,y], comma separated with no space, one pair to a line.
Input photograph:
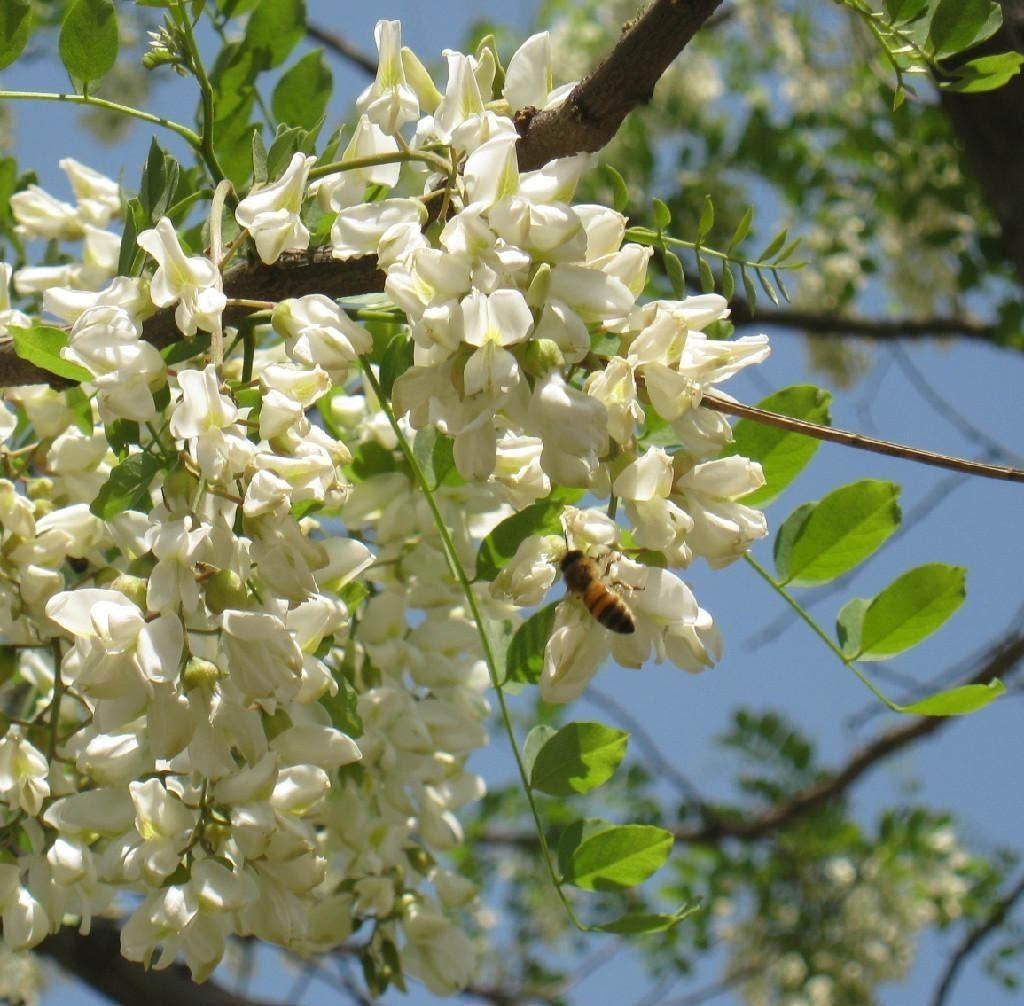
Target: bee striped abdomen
[583,578]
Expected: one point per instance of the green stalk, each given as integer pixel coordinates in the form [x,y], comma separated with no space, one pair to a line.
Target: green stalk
[189,135]
[819,632]
[467,589]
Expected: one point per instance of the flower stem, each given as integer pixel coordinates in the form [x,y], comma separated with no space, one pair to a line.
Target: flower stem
[820,632]
[485,641]
[189,135]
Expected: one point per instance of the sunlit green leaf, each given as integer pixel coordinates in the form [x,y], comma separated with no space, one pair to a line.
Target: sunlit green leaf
[89,39]
[542,517]
[15,22]
[912,607]
[957,701]
[127,486]
[41,345]
[781,453]
[837,533]
[301,95]
[524,659]
[579,758]
[596,855]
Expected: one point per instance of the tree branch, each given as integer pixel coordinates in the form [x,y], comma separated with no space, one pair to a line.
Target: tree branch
[860,442]
[586,121]
[974,938]
[882,329]
[1000,661]
[96,960]
[342,47]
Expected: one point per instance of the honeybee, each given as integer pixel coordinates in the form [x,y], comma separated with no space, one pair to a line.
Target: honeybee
[583,578]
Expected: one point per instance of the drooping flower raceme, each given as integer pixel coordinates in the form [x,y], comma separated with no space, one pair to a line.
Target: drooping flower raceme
[252,678]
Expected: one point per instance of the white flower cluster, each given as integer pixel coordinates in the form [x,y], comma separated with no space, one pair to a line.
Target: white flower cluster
[254,686]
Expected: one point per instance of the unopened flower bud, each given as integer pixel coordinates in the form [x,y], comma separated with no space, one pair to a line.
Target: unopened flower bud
[541,357]
[133,587]
[200,673]
[540,285]
[225,589]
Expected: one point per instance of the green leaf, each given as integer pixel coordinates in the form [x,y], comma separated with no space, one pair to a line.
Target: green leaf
[370,458]
[728,282]
[535,740]
[15,22]
[599,856]
[912,607]
[579,758]
[186,349]
[396,361]
[620,194]
[707,219]
[662,214]
[644,922]
[343,708]
[434,452]
[524,659]
[902,11]
[121,434]
[959,24]
[274,29]
[134,222]
[80,407]
[301,95]
[127,486]
[986,73]
[773,246]
[781,453]
[767,287]
[89,39]
[542,517]
[838,533]
[159,183]
[707,277]
[849,624]
[748,287]
[957,701]
[742,229]
[41,345]
[674,271]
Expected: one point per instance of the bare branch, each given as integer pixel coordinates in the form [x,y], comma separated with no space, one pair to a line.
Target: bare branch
[863,443]
[883,329]
[96,960]
[591,115]
[1001,659]
[974,939]
[595,108]
[341,46]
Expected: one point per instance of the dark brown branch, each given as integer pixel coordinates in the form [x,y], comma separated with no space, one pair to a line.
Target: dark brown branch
[883,329]
[96,960]
[587,121]
[294,275]
[860,442]
[1000,660]
[974,939]
[595,108]
[342,47]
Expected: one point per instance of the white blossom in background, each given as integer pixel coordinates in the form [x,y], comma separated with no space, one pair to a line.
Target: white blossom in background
[268,679]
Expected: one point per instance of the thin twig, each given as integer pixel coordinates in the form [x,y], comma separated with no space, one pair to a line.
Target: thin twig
[1001,659]
[860,442]
[658,763]
[342,47]
[974,938]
